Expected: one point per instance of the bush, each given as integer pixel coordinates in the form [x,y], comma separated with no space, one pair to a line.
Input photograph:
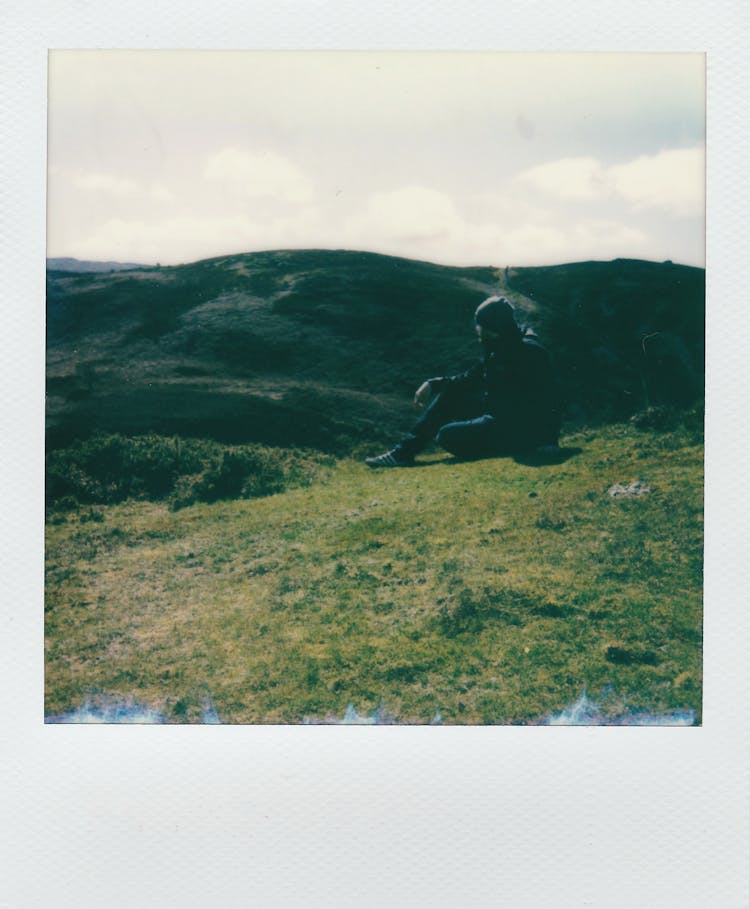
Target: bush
[110,468]
[248,471]
[106,469]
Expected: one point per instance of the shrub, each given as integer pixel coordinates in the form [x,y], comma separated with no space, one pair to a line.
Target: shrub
[248,471]
[111,468]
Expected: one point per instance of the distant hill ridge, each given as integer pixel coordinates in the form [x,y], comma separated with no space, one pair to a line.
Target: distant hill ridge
[78,265]
[324,348]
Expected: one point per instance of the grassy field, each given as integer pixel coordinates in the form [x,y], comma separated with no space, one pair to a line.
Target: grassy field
[486,592]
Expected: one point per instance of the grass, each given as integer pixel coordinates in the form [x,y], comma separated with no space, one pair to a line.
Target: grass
[490,592]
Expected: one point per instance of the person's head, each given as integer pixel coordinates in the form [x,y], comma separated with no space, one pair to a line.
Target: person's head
[495,323]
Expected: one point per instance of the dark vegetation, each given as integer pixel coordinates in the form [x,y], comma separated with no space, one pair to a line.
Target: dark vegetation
[628,335]
[106,469]
[323,350]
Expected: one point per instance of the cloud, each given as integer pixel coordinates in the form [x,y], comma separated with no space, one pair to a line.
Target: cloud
[260,173]
[105,183]
[159,193]
[410,214]
[671,180]
[414,221]
[188,238]
[179,239]
[571,179]
[421,222]
[119,187]
[551,240]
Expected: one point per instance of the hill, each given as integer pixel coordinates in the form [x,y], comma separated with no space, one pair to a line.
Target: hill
[206,556]
[66,263]
[324,348]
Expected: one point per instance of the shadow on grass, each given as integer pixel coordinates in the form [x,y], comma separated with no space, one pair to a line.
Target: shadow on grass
[539,458]
[548,455]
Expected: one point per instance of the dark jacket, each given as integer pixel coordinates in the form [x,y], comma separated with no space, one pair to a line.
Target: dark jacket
[516,386]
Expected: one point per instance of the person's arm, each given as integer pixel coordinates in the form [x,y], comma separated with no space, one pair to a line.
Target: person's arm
[472,377]
[423,394]
[427,390]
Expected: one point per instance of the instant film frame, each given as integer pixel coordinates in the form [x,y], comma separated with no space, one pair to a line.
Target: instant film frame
[260,798]
[286,245]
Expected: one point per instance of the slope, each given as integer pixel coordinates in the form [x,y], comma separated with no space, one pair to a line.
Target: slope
[324,348]
[536,584]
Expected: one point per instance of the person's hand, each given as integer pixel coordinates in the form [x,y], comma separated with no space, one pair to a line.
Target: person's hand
[423,395]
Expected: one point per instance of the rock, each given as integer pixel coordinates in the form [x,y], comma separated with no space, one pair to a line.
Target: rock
[636,488]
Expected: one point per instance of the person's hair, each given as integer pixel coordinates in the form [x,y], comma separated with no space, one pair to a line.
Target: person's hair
[497,314]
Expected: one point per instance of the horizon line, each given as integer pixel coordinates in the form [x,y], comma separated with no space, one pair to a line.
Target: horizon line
[313,249]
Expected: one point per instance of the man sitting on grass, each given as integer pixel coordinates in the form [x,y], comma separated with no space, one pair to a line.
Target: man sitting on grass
[505,405]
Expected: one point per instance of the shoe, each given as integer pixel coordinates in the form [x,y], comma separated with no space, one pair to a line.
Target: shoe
[392,458]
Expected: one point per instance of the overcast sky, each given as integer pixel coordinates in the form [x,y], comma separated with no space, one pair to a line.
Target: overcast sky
[457,158]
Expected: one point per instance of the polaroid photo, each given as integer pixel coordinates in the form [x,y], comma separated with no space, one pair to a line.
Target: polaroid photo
[368,386]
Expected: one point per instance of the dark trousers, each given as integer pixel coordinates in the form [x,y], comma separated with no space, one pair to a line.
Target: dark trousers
[459,423]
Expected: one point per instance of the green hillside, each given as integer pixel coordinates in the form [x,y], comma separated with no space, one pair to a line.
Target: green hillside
[324,349]
[303,348]
[627,334]
[213,537]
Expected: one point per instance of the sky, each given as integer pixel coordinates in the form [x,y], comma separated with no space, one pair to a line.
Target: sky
[459,158]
